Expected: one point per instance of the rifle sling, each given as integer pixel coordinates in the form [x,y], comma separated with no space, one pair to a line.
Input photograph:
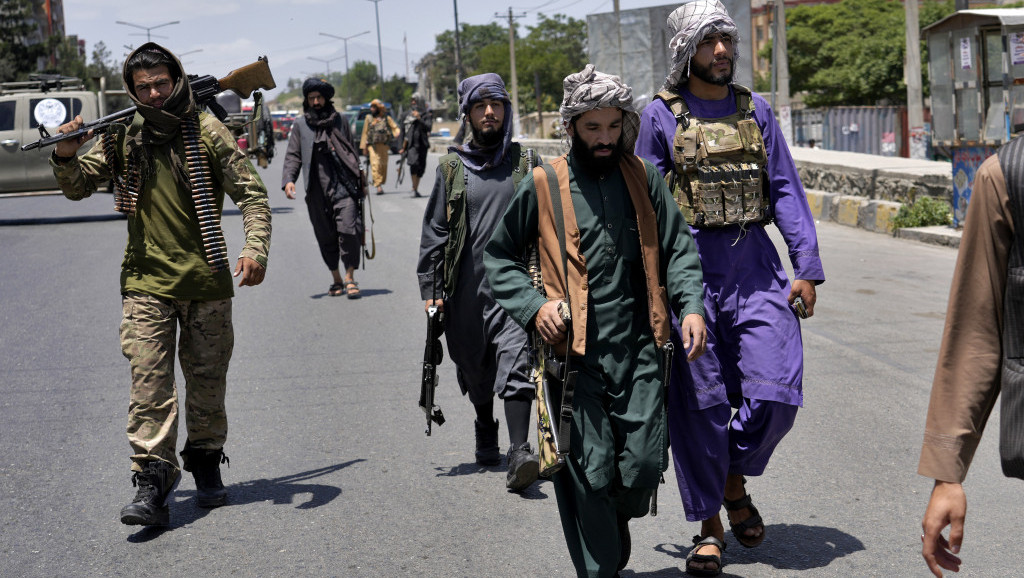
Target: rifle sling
[568,377]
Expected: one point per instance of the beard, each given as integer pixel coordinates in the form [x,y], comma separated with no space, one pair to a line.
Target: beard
[320,112]
[704,73]
[591,163]
[487,137]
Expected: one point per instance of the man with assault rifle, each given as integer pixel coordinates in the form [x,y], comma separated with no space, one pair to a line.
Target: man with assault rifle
[171,167]
[474,183]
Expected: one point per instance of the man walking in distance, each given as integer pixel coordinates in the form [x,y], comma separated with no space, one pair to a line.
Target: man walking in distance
[745,177]
[630,264]
[175,274]
[416,139]
[982,354]
[320,146]
[473,186]
[378,130]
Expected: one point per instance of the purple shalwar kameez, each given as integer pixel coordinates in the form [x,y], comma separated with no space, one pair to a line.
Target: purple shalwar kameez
[754,359]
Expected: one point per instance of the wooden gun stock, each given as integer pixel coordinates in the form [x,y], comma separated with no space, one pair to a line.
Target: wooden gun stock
[243,81]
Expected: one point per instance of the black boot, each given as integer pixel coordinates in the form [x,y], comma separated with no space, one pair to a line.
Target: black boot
[523,467]
[156,481]
[487,451]
[205,468]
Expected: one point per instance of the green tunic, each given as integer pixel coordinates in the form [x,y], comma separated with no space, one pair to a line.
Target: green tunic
[618,439]
[164,256]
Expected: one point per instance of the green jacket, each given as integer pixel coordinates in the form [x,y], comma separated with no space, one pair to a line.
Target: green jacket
[164,256]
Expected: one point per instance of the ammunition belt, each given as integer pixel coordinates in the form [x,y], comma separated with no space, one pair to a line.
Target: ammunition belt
[201,182]
[126,178]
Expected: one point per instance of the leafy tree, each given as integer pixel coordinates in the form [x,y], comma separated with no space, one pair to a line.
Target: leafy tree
[474,39]
[17,58]
[851,52]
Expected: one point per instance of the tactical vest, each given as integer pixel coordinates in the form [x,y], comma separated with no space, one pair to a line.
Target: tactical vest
[455,182]
[719,175]
[379,131]
[1011,422]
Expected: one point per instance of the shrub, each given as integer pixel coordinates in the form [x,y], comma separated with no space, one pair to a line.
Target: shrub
[924,212]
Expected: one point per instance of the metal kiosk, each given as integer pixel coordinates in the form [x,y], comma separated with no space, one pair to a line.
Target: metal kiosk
[976,71]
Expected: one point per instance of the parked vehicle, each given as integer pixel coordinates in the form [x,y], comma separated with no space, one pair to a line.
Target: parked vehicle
[44,100]
[283,121]
[255,136]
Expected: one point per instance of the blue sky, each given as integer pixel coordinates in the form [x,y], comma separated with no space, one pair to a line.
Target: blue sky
[217,36]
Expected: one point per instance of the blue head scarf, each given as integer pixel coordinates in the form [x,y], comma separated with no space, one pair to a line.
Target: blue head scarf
[472,90]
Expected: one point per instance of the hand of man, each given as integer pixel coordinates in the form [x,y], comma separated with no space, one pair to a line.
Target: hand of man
[252,272]
[69,148]
[549,323]
[289,190]
[947,507]
[438,302]
[805,291]
[695,336]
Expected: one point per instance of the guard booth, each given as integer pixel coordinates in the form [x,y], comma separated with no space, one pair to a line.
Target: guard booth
[976,72]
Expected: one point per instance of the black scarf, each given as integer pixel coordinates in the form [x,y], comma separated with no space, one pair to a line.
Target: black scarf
[325,123]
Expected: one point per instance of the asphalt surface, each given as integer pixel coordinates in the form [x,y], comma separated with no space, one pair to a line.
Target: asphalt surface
[331,473]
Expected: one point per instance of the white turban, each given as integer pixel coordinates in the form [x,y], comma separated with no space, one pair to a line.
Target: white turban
[589,89]
[689,24]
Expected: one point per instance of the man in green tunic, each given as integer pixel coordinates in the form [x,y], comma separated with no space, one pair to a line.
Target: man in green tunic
[631,264]
[171,169]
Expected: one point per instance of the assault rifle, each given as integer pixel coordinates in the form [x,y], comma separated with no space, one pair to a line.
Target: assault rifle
[432,356]
[242,82]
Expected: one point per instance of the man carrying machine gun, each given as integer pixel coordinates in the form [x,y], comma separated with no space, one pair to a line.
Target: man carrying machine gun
[171,168]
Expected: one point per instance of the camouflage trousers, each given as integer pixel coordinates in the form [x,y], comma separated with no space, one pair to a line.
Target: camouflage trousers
[149,330]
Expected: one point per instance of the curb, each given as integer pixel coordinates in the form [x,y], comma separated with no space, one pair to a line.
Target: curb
[875,216]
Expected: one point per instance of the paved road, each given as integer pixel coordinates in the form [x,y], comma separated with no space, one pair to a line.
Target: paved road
[331,474]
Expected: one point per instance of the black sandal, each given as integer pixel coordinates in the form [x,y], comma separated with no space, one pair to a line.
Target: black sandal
[336,289]
[693,556]
[739,530]
[352,290]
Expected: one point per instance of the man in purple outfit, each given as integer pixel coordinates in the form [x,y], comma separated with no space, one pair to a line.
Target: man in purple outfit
[731,173]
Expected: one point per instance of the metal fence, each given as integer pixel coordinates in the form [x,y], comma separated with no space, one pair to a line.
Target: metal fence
[876,130]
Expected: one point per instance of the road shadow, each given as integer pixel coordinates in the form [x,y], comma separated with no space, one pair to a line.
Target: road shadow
[534,492]
[364,293]
[280,491]
[786,547]
[273,210]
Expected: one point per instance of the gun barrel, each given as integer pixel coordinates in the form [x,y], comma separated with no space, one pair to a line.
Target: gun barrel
[98,125]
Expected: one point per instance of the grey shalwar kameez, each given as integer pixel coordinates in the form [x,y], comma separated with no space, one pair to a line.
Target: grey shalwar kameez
[487,346]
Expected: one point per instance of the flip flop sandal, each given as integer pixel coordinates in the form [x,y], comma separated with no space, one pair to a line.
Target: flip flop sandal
[336,289]
[739,530]
[352,290]
[693,556]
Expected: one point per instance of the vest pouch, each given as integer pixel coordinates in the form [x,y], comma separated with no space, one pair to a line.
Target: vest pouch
[685,148]
[732,194]
[750,137]
[710,202]
[720,138]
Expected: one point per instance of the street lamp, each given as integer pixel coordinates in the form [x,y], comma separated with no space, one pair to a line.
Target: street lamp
[325,61]
[345,39]
[146,28]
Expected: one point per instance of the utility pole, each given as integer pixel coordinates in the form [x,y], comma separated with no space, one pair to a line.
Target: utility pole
[517,128]
[458,48]
[380,52]
[345,39]
[405,41]
[912,76]
[618,31]
[781,55]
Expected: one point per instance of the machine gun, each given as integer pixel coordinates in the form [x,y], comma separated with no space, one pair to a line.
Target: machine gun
[432,356]
[242,82]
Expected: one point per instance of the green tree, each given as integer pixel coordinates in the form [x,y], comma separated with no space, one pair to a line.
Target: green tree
[851,52]
[17,58]
[474,39]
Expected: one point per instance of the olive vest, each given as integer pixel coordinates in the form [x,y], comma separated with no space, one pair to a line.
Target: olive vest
[455,181]
[719,175]
[550,251]
[1011,430]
